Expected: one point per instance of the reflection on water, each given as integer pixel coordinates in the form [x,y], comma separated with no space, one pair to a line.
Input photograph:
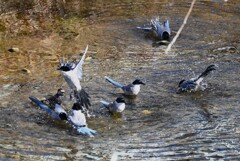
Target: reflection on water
[159,124]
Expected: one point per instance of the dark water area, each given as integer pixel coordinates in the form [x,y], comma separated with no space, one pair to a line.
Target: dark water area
[158,124]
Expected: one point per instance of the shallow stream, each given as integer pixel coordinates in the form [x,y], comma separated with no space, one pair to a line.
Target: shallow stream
[159,124]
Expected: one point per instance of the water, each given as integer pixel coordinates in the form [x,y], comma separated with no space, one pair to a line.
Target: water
[159,124]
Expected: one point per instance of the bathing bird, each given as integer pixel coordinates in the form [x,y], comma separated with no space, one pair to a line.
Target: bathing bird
[51,100]
[57,113]
[116,106]
[194,84]
[160,31]
[131,89]
[72,73]
[78,120]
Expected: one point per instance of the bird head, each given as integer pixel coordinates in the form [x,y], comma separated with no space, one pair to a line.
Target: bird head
[77,107]
[180,90]
[179,84]
[63,116]
[64,68]
[138,81]
[165,35]
[120,100]
[65,65]
[60,92]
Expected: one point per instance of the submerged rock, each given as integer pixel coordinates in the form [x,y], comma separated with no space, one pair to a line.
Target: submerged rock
[26,70]
[13,50]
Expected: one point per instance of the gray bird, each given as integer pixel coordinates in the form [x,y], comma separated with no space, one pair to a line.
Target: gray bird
[131,89]
[116,106]
[78,120]
[72,73]
[160,31]
[194,84]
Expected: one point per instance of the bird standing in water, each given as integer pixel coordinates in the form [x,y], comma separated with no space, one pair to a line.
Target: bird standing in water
[131,89]
[194,84]
[116,106]
[160,31]
[78,120]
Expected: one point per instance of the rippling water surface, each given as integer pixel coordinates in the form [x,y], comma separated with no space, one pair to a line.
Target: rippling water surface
[157,125]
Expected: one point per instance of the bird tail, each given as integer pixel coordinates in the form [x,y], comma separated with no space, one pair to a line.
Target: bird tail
[205,73]
[83,98]
[86,131]
[113,82]
[104,103]
[41,105]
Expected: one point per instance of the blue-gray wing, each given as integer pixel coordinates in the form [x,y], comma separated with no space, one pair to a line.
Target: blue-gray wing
[188,85]
[128,88]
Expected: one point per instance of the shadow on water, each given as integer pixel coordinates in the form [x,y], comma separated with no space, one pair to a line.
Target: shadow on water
[156,125]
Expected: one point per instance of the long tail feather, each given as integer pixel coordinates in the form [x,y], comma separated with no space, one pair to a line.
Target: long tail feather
[41,105]
[86,131]
[113,82]
[104,103]
[205,73]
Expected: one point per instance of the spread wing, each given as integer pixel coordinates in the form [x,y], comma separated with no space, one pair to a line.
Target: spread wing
[78,68]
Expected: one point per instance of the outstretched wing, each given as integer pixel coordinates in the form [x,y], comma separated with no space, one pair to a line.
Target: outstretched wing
[78,68]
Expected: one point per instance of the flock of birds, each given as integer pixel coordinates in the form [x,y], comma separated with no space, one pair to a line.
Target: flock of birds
[72,73]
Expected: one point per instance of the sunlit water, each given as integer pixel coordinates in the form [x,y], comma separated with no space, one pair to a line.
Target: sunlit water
[159,124]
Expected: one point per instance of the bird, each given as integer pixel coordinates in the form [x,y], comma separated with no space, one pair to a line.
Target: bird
[78,120]
[57,113]
[72,73]
[52,100]
[131,89]
[160,31]
[116,106]
[194,84]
